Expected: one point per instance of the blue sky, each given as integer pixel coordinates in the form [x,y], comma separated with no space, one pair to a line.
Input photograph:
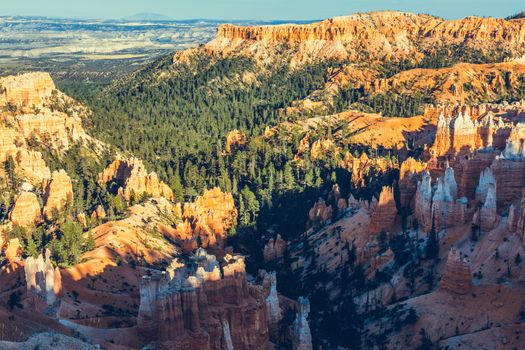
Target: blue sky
[255,9]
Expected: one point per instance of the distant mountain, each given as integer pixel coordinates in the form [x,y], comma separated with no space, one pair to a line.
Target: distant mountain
[517,16]
[154,17]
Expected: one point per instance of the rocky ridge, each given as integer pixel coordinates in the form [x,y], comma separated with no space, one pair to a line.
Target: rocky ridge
[387,34]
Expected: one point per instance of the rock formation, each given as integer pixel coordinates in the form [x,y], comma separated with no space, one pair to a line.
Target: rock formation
[520,218]
[302,338]
[486,179]
[512,219]
[447,209]
[203,308]
[423,202]
[457,277]
[26,210]
[385,213]
[387,34]
[43,283]
[460,135]
[208,219]
[459,83]
[319,214]
[409,173]
[509,167]
[439,205]
[99,213]
[274,249]
[26,89]
[487,216]
[57,193]
[132,177]
[272,306]
[234,139]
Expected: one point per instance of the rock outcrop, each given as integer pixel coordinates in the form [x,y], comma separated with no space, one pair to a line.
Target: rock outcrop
[409,173]
[204,308]
[207,220]
[486,179]
[272,306]
[439,206]
[319,214]
[385,213]
[387,34]
[302,338]
[423,202]
[487,217]
[459,83]
[457,277]
[460,134]
[234,139]
[26,210]
[43,283]
[26,89]
[133,181]
[57,193]
[274,249]
[509,167]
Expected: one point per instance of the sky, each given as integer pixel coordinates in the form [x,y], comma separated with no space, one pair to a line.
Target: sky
[255,9]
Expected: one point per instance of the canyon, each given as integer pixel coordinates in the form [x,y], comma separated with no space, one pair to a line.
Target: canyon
[315,227]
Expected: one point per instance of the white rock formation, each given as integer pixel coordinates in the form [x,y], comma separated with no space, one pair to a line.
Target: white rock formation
[486,179]
[302,338]
[272,306]
[43,281]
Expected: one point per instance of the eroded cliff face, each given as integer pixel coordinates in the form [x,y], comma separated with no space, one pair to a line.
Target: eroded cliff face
[26,210]
[386,34]
[58,192]
[173,307]
[27,89]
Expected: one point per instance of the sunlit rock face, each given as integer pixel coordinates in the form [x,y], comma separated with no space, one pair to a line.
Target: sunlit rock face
[457,277]
[388,35]
[509,168]
[57,193]
[26,210]
[26,89]
[485,180]
[459,134]
[133,180]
